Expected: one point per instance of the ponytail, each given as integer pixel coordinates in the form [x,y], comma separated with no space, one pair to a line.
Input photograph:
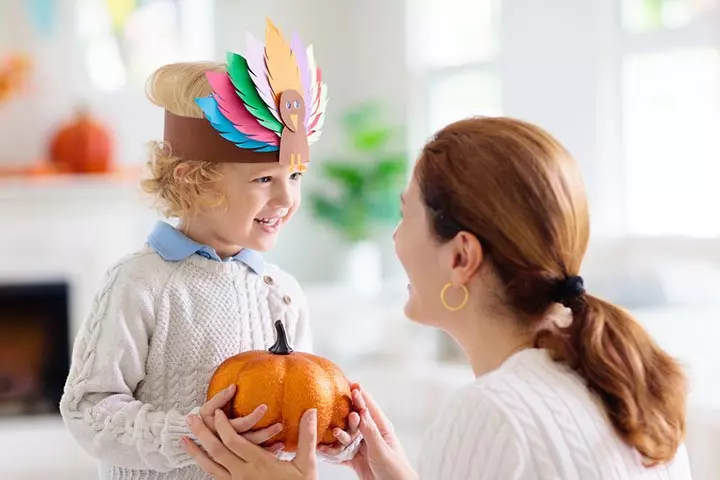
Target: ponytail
[641,387]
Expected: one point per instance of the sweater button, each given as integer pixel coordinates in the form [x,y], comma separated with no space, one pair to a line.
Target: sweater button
[267,279]
[287,300]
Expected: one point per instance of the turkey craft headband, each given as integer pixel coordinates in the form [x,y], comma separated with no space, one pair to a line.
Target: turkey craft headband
[268,107]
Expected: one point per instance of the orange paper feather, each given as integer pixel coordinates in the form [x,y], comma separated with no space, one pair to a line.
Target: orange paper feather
[282,67]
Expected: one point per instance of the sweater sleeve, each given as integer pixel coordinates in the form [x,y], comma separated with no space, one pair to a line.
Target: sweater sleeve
[108,363]
[474,438]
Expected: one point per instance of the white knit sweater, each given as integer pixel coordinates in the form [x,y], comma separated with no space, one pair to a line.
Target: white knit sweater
[532,419]
[143,359]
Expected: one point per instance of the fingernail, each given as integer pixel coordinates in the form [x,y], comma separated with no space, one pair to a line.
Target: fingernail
[312,415]
[263,408]
[229,389]
[190,419]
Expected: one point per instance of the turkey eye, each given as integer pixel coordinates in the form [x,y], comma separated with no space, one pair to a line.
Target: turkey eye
[287,104]
[296,104]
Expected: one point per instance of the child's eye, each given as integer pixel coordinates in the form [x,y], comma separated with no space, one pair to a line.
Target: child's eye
[263,180]
[296,176]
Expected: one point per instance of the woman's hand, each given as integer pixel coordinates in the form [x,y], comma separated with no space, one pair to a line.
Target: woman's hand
[240,424]
[381,456]
[232,457]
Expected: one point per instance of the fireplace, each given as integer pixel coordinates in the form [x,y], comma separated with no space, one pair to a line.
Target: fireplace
[34,347]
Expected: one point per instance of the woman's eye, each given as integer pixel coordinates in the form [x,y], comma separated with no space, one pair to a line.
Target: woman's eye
[263,180]
[296,176]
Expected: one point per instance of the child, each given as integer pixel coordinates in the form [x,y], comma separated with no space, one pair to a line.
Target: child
[229,168]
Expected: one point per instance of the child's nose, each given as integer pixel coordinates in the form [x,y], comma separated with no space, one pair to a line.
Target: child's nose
[283,197]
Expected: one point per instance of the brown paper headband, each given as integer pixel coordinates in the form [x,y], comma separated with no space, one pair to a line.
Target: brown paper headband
[196,139]
[267,107]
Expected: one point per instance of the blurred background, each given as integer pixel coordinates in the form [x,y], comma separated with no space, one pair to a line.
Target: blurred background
[631,87]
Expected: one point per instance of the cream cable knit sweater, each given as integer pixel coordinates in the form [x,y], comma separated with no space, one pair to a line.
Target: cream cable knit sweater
[532,419]
[143,359]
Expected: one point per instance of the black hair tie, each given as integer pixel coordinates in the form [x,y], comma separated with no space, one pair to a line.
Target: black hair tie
[569,290]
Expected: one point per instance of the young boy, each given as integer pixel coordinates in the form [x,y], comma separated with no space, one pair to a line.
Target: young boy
[230,170]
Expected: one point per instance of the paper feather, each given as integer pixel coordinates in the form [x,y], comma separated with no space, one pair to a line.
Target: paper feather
[303,65]
[227,130]
[233,108]
[245,88]
[255,57]
[282,68]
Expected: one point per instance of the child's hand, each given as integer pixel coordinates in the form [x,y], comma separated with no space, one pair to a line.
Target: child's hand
[241,424]
[344,437]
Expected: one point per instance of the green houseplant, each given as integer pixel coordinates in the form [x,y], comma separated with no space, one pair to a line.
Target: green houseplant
[361,190]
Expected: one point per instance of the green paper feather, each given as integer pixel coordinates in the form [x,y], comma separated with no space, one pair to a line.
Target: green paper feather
[238,70]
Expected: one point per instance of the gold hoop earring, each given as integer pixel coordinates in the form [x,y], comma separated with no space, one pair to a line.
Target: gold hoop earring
[444,302]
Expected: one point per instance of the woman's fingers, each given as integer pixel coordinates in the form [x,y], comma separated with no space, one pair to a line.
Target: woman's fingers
[212,444]
[307,442]
[236,444]
[385,426]
[204,461]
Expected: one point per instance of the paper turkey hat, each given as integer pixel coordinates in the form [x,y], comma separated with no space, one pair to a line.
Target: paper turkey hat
[268,107]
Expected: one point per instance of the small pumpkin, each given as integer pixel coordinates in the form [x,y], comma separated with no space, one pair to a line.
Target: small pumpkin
[82,146]
[289,383]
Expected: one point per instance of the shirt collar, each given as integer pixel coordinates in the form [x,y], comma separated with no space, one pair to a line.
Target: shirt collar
[173,246]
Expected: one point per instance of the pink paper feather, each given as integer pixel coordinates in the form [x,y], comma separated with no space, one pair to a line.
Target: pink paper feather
[303,66]
[255,57]
[234,109]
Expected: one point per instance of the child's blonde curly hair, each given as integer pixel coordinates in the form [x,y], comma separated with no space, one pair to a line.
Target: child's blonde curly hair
[175,87]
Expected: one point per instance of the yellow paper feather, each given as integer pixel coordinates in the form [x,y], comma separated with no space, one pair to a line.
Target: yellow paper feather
[282,68]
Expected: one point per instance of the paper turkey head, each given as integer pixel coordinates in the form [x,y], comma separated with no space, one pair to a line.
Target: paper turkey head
[292,109]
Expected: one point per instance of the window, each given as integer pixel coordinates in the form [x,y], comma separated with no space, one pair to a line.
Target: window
[671,116]
[452,50]
[125,42]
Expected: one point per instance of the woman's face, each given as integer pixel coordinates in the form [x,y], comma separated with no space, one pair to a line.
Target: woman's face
[427,261]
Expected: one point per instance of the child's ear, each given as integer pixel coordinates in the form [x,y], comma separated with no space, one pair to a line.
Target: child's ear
[180,171]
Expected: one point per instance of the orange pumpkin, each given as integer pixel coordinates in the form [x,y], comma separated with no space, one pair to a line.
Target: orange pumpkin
[289,383]
[82,146]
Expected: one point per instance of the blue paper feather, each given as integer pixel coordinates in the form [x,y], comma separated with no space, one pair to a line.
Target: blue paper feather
[227,130]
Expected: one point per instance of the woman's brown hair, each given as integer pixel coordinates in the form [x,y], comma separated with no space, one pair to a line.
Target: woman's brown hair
[515,188]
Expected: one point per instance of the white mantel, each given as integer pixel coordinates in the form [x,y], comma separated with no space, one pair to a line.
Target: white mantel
[70,228]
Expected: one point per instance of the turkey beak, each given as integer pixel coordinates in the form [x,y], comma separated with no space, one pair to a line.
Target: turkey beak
[293,120]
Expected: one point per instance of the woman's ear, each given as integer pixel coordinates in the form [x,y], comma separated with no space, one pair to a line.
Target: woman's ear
[467,256]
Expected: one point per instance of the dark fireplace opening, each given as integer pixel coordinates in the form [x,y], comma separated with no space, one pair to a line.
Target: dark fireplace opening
[34,347]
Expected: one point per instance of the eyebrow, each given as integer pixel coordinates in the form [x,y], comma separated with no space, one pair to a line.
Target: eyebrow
[265,171]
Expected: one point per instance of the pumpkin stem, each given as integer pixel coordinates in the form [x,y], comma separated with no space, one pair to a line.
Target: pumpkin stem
[281,346]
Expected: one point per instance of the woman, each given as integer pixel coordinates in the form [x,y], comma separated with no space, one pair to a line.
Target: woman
[494,230]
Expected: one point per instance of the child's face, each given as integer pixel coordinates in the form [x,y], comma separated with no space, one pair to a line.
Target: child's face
[260,199]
